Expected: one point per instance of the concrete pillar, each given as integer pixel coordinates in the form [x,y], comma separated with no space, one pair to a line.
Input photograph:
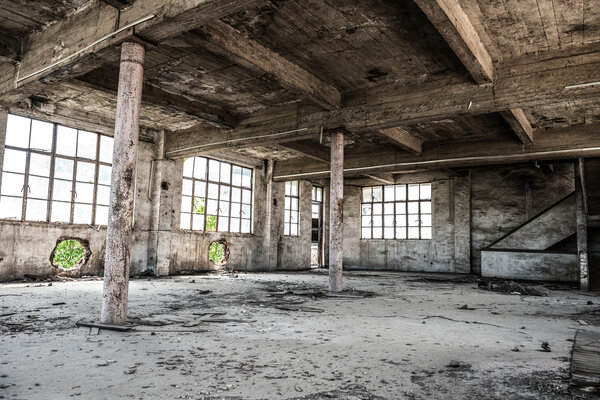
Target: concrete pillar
[3,122]
[336,207]
[159,249]
[116,266]
[582,243]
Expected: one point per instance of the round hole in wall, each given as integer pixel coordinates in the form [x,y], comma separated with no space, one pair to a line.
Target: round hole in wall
[218,253]
[70,253]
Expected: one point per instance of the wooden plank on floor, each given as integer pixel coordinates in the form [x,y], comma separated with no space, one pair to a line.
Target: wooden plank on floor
[585,363]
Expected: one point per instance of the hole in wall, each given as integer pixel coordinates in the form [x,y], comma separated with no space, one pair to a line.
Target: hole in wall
[218,253]
[70,253]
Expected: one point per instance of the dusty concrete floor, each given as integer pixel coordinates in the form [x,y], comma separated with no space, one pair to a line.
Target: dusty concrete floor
[410,340]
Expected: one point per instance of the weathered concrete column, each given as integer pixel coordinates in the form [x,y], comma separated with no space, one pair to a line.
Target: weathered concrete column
[582,242]
[3,122]
[163,172]
[336,207]
[116,265]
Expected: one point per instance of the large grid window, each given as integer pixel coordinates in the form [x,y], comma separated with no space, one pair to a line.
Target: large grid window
[396,212]
[52,173]
[291,213]
[216,196]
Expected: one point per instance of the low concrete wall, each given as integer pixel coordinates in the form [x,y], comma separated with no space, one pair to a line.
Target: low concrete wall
[536,266]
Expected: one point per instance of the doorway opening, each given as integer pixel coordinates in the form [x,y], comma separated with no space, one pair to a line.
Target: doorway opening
[316,246]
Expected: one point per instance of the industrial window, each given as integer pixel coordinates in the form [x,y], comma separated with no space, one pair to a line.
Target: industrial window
[216,196]
[317,194]
[52,173]
[291,214]
[396,212]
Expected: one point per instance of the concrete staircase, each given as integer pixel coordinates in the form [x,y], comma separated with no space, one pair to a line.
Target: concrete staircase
[531,251]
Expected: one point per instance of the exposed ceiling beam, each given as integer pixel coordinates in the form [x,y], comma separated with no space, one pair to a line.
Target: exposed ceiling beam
[454,25]
[228,42]
[388,106]
[451,21]
[82,41]
[106,80]
[383,177]
[309,149]
[403,139]
[565,143]
[518,121]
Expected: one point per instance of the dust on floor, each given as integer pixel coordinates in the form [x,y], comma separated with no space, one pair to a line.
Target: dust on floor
[280,336]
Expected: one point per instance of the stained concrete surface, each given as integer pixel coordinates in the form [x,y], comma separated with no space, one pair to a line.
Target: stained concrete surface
[412,339]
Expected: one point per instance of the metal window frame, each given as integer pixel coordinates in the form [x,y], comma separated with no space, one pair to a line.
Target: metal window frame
[51,176]
[230,185]
[395,202]
[289,221]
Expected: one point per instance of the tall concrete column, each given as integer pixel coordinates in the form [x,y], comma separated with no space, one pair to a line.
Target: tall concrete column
[163,172]
[581,217]
[336,213]
[116,265]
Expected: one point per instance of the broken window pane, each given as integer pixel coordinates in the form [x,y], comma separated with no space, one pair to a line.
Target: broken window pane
[14,161]
[17,131]
[66,140]
[366,209]
[11,207]
[41,135]
[106,149]
[36,210]
[86,145]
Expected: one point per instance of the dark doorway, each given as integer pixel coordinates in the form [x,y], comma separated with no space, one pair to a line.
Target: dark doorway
[316,246]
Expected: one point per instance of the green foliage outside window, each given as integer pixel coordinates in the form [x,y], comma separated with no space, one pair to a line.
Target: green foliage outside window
[216,252]
[68,253]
